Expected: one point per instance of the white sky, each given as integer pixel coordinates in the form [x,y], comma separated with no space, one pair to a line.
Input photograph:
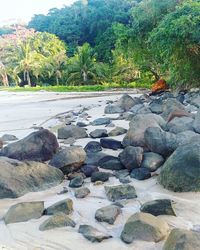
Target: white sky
[12,10]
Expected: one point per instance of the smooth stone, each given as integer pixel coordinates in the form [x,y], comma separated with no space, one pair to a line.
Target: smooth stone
[110,162]
[24,211]
[56,221]
[81,192]
[140,174]
[100,176]
[101,121]
[111,143]
[152,161]
[99,133]
[93,147]
[88,170]
[113,109]
[76,182]
[92,234]
[120,192]
[72,131]
[144,227]
[63,206]
[158,207]
[117,131]
[107,214]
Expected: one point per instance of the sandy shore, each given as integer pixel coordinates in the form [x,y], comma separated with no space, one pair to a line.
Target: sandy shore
[22,111]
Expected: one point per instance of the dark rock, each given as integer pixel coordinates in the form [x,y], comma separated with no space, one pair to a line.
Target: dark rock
[56,221]
[145,227]
[69,159]
[76,182]
[99,133]
[120,192]
[181,171]
[158,207]
[180,239]
[94,158]
[160,142]
[100,176]
[92,234]
[141,174]
[93,147]
[24,211]
[117,131]
[72,131]
[107,214]
[64,206]
[110,162]
[121,173]
[131,157]
[38,146]
[81,124]
[111,144]
[18,178]
[88,170]
[152,161]
[101,121]
[81,192]
[178,125]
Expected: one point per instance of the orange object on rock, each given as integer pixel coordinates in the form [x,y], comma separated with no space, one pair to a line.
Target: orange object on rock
[160,85]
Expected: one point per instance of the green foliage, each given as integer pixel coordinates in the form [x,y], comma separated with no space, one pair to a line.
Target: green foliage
[177,39]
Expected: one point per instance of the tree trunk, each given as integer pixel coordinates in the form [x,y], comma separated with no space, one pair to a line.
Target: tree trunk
[85,76]
[28,78]
[57,81]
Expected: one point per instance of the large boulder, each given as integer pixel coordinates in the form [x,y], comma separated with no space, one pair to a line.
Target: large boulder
[72,131]
[126,102]
[92,234]
[187,137]
[170,105]
[18,178]
[181,171]
[138,126]
[69,159]
[56,221]
[38,146]
[131,157]
[107,214]
[145,227]
[120,192]
[24,211]
[180,239]
[160,142]
[113,109]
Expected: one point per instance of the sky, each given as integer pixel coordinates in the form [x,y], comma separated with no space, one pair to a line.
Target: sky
[12,10]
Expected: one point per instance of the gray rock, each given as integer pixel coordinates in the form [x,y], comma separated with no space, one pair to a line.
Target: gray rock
[100,176]
[81,192]
[99,133]
[136,109]
[181,171]
[72,131]
[121,173]
[93,147]
[65,206]
[107,214]
[138,126]
[76,182]
[24,211]
[169,105]
[120,192]
[131,157]
[18,178]
[187,137]
[140,174]
[145,227]
[178,125]
[69,159]
[180,239]
[8,138]
[152,161]
[160,142]
[56,221]
[126,102]
[92,234]
[112,109]
[158,207]
[38,146]
[110,162]
[117,131]
[101,121]
[156,106]
[94,158]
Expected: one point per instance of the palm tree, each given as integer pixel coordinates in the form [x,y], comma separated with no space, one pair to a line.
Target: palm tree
[82,68]
[3,75]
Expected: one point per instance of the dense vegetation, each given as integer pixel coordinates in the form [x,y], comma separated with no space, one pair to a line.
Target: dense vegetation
[106,41]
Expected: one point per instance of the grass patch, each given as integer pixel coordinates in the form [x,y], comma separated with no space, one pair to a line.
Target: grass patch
[86,88]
